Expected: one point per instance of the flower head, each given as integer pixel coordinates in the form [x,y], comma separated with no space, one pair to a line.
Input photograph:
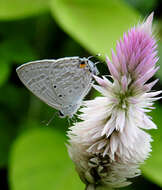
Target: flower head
[108,145]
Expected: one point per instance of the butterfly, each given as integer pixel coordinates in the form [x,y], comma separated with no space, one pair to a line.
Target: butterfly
[60,83]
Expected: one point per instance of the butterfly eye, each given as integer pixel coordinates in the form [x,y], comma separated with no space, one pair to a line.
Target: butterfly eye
[82,64]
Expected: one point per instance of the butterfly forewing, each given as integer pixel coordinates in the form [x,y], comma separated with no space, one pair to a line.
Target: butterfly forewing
[35,76]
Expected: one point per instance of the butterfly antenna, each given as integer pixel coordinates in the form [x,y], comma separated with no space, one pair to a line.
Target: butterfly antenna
[94,56]
[97,62]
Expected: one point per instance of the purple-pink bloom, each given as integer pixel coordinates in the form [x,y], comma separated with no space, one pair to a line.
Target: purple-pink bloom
[109,144]
[136,56]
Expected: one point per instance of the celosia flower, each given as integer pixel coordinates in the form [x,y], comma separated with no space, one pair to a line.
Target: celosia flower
[109,143]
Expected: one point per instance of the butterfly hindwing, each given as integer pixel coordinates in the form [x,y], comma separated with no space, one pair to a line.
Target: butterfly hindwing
[72,81]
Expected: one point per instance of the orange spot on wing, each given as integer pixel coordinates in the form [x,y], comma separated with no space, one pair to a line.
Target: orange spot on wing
[82,65]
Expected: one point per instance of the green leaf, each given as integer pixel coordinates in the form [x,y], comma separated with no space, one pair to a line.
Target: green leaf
[152,169]
[95,24]
[17,9]
[13,108]
[39,160]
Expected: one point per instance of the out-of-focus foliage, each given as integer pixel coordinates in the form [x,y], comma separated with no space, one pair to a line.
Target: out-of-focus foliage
[95,24]
[144,6]
[153,167]
[16,50]
[39,160]
[159,36]
[17,9]
[7,133]
[33,154]
[4,71]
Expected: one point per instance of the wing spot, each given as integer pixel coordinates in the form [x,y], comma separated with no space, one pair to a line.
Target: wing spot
[54,86]
[60,95]
[82,64]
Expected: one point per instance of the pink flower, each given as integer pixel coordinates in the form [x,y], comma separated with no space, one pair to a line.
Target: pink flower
[109,143]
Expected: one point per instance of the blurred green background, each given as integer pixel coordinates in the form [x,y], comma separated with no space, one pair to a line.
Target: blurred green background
[32,155]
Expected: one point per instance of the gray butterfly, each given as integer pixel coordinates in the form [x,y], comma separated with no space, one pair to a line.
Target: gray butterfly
[60,83]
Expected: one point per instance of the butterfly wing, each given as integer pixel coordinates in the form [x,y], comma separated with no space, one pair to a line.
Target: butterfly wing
[35,76]
[60,83]
[73,82]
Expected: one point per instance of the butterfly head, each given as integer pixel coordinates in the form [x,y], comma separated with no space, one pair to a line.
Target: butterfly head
[85,62]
